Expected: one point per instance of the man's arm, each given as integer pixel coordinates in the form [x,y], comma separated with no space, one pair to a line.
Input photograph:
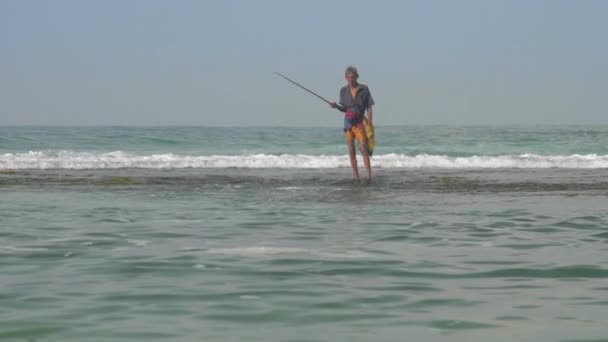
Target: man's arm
[337,106]
[370,104]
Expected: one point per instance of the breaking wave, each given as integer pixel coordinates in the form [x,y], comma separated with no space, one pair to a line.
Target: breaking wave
[120,159]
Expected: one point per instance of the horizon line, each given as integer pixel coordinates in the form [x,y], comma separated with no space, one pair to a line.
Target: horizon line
[301,126]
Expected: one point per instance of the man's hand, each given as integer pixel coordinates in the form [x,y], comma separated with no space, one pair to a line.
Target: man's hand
[336,106]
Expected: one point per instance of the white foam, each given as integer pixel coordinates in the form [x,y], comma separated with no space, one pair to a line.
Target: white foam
[349,254]
[23,249]
[249,297]
[258,251]
[139,243]
[255,251]
[120,159]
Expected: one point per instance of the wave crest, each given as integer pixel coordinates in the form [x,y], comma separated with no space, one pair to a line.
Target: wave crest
[120,159]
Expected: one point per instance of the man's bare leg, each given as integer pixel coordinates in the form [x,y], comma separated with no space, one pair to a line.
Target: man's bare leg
[353,158]
[365,155]
[368,167]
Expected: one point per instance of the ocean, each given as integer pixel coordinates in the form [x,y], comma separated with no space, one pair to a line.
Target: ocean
[261,234]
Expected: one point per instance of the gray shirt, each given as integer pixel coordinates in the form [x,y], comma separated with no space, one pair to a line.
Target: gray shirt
[359,104]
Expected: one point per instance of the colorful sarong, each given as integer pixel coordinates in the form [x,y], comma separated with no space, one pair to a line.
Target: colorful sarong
[362,132]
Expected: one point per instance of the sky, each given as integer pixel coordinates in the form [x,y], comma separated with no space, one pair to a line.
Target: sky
[211,63]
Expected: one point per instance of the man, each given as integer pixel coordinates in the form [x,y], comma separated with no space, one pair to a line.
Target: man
[355,100]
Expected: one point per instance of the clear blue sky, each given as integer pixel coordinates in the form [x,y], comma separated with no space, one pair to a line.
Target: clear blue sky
[119,62]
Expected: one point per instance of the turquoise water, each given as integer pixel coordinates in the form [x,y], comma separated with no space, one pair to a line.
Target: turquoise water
[260,234]
[434,140]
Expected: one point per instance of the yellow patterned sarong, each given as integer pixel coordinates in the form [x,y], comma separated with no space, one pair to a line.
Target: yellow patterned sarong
[362,131]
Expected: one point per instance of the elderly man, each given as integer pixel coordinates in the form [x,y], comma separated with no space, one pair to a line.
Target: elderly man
[355,100]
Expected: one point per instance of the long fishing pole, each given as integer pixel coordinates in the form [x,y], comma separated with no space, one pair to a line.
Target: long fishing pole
[308,90]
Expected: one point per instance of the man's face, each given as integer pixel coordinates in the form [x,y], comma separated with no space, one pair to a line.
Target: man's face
[351,78]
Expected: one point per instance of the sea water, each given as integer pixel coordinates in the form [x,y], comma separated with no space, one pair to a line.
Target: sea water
[261,234]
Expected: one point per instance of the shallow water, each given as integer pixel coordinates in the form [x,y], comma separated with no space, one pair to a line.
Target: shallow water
[304,255]
[260,234]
